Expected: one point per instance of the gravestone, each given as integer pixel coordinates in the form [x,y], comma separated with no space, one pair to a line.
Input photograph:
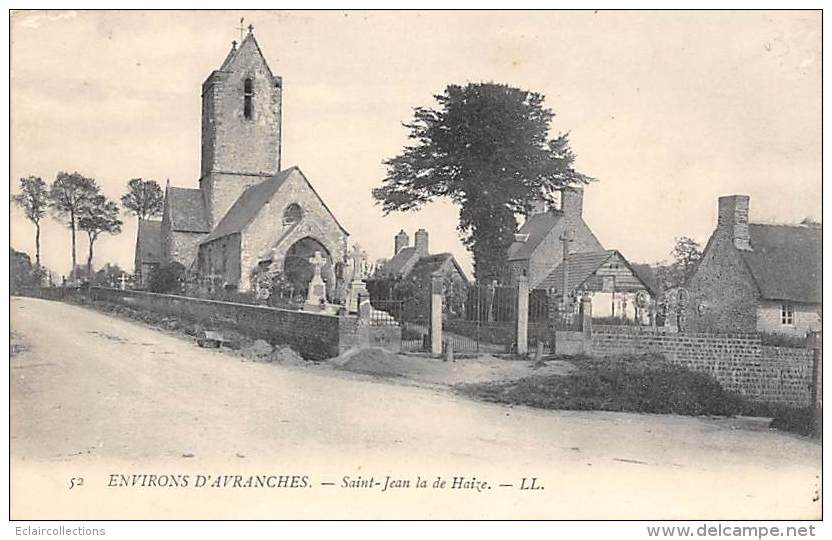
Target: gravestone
[356,286]
[316,295]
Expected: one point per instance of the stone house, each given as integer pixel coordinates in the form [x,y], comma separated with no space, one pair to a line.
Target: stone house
[416,260]
[148,254]
[607,278]
[247,212]
[412,270]
[538,244]
[756,277]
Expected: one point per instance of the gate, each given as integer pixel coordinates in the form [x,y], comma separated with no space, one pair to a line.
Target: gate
[486,324]
[412,314]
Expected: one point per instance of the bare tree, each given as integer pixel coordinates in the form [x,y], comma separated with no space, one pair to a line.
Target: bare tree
[33,199]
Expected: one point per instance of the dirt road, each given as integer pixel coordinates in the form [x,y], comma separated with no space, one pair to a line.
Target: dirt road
[102,399]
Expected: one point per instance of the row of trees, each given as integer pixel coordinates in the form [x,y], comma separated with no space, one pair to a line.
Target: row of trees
[77,201]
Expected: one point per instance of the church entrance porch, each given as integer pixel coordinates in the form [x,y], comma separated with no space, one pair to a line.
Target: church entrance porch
[298,270]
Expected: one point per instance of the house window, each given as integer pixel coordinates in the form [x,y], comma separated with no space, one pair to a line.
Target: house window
[292,214]
[786,314]
[248,97]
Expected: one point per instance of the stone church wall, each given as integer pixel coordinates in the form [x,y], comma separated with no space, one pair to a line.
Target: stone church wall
[268,228]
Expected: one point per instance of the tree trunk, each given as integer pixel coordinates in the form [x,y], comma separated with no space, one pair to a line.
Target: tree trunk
[89,259]
[37,245]
[72,230]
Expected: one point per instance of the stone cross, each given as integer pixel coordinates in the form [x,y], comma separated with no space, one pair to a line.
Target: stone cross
[317,262]
[123,281]
[359,258]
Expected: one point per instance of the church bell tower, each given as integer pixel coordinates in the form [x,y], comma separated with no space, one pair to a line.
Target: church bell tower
[241,120]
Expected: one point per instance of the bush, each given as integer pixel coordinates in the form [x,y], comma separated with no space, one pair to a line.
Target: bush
[645,384]
[167,279]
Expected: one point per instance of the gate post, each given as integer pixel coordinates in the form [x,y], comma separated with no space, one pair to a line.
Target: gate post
[522,330]
[436,316]
[586,317]
[816,344]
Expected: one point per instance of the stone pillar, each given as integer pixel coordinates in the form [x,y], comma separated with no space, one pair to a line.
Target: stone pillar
[815,345]
[586,317]
[522,333]
[436,317]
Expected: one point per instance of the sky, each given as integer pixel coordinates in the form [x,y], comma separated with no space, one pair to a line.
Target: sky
[666,110]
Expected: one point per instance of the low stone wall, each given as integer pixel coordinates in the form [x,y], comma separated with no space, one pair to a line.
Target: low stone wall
[315,336]
[738,361]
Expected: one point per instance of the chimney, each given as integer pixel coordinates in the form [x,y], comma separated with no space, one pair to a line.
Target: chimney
[733,220]
[420,242]
[400,241]
[572,201]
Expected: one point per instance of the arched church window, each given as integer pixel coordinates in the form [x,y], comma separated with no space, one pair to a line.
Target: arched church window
[248,97]
[292,214]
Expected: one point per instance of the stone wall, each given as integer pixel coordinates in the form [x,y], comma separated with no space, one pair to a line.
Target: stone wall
[315,336]
[723,295]
[738,361]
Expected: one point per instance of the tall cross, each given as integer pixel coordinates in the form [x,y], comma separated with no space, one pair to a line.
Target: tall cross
[241,28]
[317,262]
[123,281]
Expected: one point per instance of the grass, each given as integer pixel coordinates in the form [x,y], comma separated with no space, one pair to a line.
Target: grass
[639,384]
[645,384]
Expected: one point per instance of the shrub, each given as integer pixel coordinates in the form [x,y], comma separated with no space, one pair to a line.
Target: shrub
[167,279]
[646,384]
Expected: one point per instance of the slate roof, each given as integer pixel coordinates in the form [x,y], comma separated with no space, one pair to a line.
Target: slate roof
[647,275]
[786,261]
[399,262]
[149,241]
[537,226]
[432,265]
[246,207]
[187,210]
[581,266]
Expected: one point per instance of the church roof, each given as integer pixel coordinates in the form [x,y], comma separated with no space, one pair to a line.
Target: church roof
[785,261]
[149,241]
[187,210]
[537,227]
[247,206]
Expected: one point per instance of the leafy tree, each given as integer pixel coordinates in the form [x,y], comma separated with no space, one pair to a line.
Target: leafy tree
[167,278]
[21,272]
[144,198]
[68,195]
[99,215]
[33,199]
[486,147]
[686,253]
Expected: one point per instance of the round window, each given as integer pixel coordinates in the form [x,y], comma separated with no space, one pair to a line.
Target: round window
[292,214]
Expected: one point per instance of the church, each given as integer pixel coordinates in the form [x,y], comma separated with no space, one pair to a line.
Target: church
[248,215]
